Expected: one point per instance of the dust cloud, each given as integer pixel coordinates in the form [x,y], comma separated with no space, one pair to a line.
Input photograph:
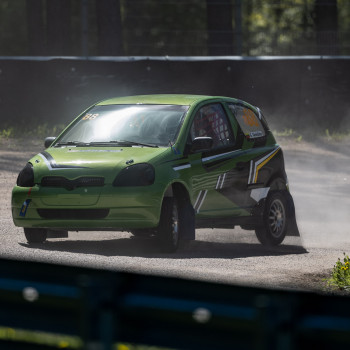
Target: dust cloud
[319,178]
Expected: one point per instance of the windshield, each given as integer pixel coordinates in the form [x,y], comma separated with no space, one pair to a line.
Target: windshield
[143,125]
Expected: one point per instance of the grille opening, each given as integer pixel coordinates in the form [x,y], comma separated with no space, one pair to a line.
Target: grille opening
[73,214]
[62,182]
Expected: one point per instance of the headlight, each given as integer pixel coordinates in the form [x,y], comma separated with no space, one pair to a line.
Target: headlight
[26,176]
[136,175]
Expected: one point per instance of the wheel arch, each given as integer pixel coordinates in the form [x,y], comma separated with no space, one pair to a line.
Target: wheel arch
[186,210]
[278,182]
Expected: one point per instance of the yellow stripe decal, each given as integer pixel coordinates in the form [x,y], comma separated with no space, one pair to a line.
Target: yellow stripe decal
[263,163]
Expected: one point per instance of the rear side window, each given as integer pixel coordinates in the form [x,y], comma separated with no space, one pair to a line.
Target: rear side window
[248,121]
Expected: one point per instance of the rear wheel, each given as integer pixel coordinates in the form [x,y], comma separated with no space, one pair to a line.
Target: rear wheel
[35,235]
[169,225]
[274,227]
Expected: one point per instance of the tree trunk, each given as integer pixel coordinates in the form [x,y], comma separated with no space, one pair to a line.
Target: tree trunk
[109,28]
[326,22]
[219,25]
[58,27]
[35,28]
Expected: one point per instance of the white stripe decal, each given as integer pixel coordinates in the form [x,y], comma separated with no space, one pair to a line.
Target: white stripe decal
[51,164]
[259,193]
[223,180]
[201,203]
[180,167]
[46,162]
[267,156]
[252,174]
[206,159]
[199,195]
[218,182]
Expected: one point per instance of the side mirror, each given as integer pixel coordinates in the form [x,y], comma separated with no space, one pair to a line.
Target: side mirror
[49,140]
[202,144]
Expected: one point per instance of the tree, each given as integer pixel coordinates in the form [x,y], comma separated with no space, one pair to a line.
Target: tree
[58,27]
[109,28]
[326,23]
[35,28]
[220,33]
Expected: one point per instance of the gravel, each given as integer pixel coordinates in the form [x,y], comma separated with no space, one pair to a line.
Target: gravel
[320,185]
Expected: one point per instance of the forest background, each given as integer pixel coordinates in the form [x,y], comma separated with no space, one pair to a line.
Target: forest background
[290,58]
[174,27]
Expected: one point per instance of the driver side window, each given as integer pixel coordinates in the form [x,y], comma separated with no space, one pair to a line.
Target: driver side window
[211,121]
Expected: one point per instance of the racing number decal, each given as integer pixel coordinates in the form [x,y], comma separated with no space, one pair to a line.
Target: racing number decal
[248,121]
[90,116]
[249,118]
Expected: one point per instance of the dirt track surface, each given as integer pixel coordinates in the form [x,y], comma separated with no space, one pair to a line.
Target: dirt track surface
[320,184]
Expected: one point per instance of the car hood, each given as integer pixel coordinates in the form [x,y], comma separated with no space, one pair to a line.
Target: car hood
[74,162]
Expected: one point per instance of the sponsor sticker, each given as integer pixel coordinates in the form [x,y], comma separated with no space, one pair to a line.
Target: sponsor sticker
[24,208]
[255,134]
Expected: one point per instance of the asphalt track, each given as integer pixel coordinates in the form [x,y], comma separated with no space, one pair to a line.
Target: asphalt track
[319,182]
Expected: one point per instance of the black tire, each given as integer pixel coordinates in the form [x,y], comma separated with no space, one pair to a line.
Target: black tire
[35,235]
[275,219]
[168,231]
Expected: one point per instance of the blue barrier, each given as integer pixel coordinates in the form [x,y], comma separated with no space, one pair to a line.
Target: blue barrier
[105,307]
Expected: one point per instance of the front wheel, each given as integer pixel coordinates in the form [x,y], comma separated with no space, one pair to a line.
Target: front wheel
[169,225]
[35,235]
[275,217]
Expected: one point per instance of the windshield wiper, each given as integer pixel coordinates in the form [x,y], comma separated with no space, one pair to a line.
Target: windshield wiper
[133,143]
[72,143]
[123,143]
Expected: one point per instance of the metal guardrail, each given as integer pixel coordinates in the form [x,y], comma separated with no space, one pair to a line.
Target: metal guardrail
[105,307]
[175,58]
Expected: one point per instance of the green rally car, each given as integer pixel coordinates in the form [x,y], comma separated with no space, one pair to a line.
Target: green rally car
[159,165]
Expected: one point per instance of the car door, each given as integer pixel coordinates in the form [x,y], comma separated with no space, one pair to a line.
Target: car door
[219,174]
[259,158]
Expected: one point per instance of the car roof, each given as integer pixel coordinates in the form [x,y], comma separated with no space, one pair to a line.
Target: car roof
[169,99]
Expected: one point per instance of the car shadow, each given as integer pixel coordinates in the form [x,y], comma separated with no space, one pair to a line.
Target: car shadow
[149,248]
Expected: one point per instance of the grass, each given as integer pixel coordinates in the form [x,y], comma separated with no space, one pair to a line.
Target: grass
[288,133]
[326,135]
[21,138]
[39,131]
[7,133]
[337,135]
[340,277]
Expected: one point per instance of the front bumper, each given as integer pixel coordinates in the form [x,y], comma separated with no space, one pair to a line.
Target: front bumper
[87,208]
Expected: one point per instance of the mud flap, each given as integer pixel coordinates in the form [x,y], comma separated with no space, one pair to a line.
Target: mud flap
[292,229]
[187,222]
